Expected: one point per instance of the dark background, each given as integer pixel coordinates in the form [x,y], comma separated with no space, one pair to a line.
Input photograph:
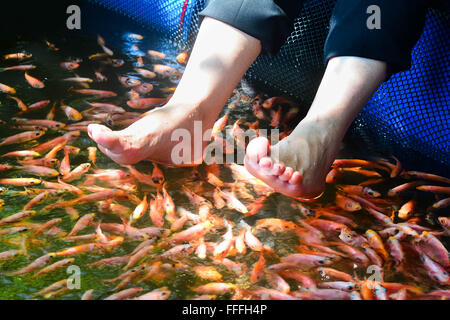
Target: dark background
[31,18]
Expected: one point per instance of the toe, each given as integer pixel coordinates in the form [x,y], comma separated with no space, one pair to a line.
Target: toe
[278,169]
[296,178]
[257,149]
[104,137]
[265,163]
[287,174]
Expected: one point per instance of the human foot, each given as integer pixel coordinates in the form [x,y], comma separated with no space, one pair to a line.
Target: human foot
[297,165]
[151,137]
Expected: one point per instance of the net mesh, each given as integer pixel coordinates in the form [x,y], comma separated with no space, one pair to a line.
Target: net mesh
[178,20]
[409,115]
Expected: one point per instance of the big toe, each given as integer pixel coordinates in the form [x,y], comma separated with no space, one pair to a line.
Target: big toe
[104,137]
[257,149]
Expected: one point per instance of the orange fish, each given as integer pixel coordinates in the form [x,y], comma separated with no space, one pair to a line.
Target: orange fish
[20,181]
[142,178]
[347,204]
[88,247]
[69,65]
[22,153]
[144,103]
[251,241]
[407,210]
[53,267]
[10,254]
[36,264]
[64,167]
[359,190]
[425,176]
[258,269]
[182,57]
[125,294]
[275,117]
[35,83]
[376,243]
[93,92]
[233,202]
[239,242]
[4,167]
[214,288]
[145,73]
[51,46]
[77,173]
[140,209]
[157,175]
[129,82]
[156,54]
[36,106]
[274,101]
[82,223]
[223,247]
[52,153]
[444,203]
[165,71]
[17,56]
[169,206]
[256,206]
[48,225]
[195,232]
[22,137]
[219,203]
[71,113]
[207,273]
[97,56]
[219,125]
[139,62]
[156,211]
[22,106]
[17,216]
[144,88]
[100,77]
[39,170]
[435,189]
[92,154]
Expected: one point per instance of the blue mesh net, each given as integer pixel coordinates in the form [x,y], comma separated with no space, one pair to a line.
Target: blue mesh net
[409,116]
[178,19]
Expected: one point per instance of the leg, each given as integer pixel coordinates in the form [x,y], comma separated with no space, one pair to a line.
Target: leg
[297,165]
[220,57]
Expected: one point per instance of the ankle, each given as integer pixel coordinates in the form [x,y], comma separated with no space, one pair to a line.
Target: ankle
[333,126]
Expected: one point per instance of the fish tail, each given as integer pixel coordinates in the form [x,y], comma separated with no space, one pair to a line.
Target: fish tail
[8,274]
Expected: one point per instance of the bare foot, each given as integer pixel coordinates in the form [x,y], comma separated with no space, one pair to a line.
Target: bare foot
[150,138]
[297,165]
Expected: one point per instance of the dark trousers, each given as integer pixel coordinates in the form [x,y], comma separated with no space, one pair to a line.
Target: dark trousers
[271,21]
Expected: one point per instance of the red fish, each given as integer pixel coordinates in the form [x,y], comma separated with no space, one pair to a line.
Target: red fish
[145,103]
[93,92]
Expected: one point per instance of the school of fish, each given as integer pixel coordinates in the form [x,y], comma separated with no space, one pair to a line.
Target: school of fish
[378,233]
